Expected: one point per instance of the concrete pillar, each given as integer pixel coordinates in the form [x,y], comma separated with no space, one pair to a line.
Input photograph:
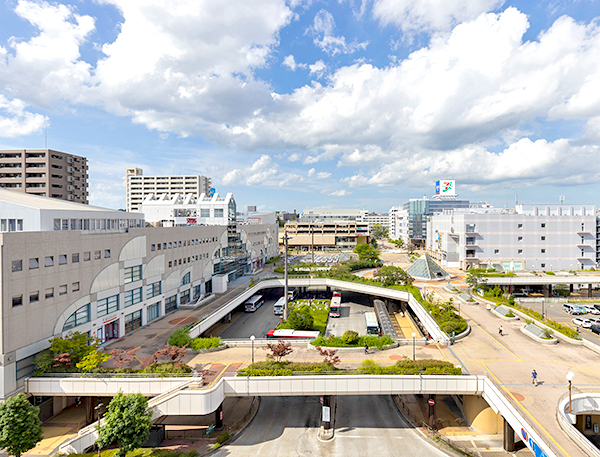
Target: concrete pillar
[327,403]
[510,288]
[509,438]
[89,403]
[219,417]
[589,291]
[571,287]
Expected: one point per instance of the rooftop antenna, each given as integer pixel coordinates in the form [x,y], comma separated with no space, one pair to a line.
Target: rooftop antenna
[46,139]
[516,199]
[561,199]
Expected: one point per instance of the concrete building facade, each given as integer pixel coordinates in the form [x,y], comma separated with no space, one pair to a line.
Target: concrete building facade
[140,186]
[45,173]
[557,237]
[342,235]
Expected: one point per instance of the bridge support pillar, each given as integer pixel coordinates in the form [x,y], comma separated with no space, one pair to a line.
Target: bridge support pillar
[547,290]
[327,404]
[589,291]
[571,288]
[88,404]
[509,438]
[219,417]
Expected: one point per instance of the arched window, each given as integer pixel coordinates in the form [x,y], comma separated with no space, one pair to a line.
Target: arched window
[186,279]
[79,317]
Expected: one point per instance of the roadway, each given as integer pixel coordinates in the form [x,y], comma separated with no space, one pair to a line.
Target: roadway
[365,425]
[352,315]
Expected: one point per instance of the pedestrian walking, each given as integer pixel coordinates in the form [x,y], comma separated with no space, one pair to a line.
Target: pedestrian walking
[366,348]
[500,331]
[534,378]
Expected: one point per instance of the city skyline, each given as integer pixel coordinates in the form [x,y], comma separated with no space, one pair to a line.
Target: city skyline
[305,104]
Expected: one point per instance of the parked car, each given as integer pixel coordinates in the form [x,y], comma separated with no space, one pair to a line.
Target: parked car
[594,320]
[595,328]
[520,293]
[591,309]
[580,322]
[572,309]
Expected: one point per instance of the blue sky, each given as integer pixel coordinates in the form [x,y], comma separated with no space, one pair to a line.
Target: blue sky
[304,103]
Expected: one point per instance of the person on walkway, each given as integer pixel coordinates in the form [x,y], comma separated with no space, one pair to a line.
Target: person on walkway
[534,378]
[366,348]
[500,331]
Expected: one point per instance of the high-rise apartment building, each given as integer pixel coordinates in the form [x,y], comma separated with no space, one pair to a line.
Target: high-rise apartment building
[45,173]
[140,186]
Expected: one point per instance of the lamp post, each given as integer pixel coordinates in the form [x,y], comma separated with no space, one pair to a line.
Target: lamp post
[97,409]
[252,338]
[570,377]
[414,335]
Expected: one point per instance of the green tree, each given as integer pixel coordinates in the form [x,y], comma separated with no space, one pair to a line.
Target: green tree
[20,425]
[399,243]
[379,232]
[127,422]
[78,345]
[390,276]
[366,252]
[475,280]
[300,318]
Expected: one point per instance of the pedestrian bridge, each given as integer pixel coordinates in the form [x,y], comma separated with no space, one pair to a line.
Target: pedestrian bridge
[190,398]
[385,292]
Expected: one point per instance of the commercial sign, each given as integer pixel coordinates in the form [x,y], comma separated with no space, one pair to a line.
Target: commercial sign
[192,220]
[445,188]
[326,414]
[537,451]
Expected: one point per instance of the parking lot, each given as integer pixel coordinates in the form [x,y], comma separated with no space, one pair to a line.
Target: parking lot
[352,315]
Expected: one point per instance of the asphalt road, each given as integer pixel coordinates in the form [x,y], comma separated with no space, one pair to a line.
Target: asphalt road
[352,315]
[365,425]
[257,323]
[555,312]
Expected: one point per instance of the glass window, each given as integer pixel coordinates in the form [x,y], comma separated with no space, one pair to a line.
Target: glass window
[56,224]
[133,321]
[543,238]
[132,297]
[87,256]
[184,297]
[153,312]
[62,290]
[154,289]
[75,257]
[159,246]
[75,286]
[218,212]
[34,296]
[17,265]
[62,259]
[17,300]
[197,291]
[79,317]
[543,225]
[34,263]
[49,261]
[97,255]
[25,367]
[186,279]
[50,292]
[171,304]
[152,247]
[108,305]
[170,264]
[133,273]
[107,253]
[204,212]
[164,245]
[543,251]
[179,243]
[170,245]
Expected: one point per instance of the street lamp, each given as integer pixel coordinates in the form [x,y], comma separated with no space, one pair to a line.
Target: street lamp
[252,338]
[414,335]
[570,377]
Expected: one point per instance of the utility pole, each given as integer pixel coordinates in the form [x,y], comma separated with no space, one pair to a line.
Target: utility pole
[312,241]
[286,311]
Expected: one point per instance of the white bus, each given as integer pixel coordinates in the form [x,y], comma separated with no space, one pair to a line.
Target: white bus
[279,306]
[292,294]
[253,303]
[286,334]
[372,324]
[335,306]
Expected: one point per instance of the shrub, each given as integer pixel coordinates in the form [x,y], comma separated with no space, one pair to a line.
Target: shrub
[167,367]
[223,437]
[179,338]
[197,344]
[350,337]
[300,318]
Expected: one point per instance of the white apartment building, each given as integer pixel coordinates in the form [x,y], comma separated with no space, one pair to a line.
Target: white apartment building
[140,186]
[550,237]
[377,219]
[58,276]
[189,209]
[326,214]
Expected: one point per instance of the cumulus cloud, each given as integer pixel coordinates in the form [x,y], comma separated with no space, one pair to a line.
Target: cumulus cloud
[340,193]
[323,175]
[257,174]
[318,68]
[290,62]
[290,178]
[323,29]
[16,121]
[311,172]
[414,16]
[294,157]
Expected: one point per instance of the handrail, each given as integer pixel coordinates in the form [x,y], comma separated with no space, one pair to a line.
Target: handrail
[566,425]
[114,375]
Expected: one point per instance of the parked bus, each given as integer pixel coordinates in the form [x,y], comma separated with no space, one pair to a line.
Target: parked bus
[372,324]
[279,306]
[292,294]
[335,306]
[253,303]
[292,334]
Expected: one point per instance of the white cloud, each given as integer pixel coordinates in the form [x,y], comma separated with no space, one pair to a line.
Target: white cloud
[323,29]
[323,175]
[291,63]
[18,122]
[294,157]
[340,193]
[257,174]
[414,16]
[311,172]
[290,178]
[318,68]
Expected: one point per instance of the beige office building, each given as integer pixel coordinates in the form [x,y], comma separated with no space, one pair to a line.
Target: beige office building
[45,173]
[139,186]
[344,235]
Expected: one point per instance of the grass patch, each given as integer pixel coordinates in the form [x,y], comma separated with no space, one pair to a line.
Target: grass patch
[181,337]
